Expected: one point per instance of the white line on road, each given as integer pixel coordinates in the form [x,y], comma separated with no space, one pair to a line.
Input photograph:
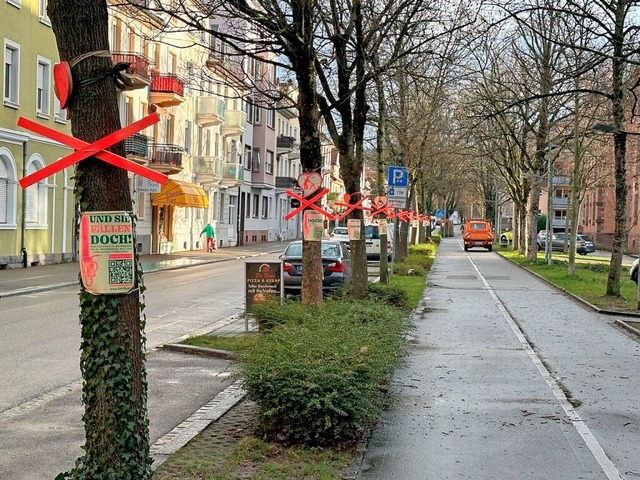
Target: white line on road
[578,423]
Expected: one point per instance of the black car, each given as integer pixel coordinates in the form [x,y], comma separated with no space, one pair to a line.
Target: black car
[336,266]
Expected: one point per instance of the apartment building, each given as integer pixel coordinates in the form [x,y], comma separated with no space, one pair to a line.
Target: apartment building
[36,224]
[223,140]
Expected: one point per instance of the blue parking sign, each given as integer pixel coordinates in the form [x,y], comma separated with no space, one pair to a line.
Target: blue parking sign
[398,177]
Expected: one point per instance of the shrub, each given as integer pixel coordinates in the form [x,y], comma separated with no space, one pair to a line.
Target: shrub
[270,313]
[407,269]
[388,294]
[322,381]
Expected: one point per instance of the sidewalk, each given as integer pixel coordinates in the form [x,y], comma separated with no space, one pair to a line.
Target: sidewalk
[18,281]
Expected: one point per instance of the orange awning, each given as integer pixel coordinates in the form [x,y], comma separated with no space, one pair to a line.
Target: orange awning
[181,194]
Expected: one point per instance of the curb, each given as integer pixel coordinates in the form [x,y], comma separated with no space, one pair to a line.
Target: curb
[202,351]
[44,288]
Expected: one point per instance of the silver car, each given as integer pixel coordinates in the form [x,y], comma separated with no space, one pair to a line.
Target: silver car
[336,266]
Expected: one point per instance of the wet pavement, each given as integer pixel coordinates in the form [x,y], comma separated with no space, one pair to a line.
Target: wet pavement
[18,281]
[507,378]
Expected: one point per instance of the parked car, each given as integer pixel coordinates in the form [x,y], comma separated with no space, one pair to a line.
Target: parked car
[341,234]
[372,241]
[558,241]
[336,266]
[633,272]
[506,238]
[589,247]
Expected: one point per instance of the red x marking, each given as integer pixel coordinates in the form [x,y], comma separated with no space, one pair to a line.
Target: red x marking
[352,207]
[404,215]
[304,203]
[85,150]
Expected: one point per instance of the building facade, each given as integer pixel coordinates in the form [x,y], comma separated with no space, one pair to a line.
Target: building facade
[36,224]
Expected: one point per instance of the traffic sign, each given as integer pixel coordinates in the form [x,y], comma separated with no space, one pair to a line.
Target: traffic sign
[397,197]
[398,177]
[440,213]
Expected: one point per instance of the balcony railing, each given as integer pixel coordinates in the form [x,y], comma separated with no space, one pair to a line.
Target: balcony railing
[232,173]
[167,83]
[137,144]
[167,90]
[208,166]
[235,122]
[138,70]
[286,182]
[210,111]
[165,154]
[286,142]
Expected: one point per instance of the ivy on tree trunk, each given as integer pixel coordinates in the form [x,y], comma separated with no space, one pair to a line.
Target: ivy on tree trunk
[112,349]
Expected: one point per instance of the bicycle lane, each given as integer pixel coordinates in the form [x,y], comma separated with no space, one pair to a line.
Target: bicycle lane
[472,399]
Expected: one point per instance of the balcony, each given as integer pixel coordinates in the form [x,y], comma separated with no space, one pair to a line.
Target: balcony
[165,158]
[229,67]
[285,144]
[235,123]
[137,148]
[138,71]
[232,174]
[210,111]
[208,170]
[167,90]
[286,183]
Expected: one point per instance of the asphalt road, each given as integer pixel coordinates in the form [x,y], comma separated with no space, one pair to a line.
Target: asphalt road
[40,388]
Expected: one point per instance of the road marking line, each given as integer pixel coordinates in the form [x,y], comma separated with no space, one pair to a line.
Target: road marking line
[578,423]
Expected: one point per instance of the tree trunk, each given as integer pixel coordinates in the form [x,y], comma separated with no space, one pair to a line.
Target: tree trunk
[112,350]
[533,205]
[619,152]
[311,159]
[381,160]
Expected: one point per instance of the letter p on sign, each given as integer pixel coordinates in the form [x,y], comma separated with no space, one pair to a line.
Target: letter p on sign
[398,177]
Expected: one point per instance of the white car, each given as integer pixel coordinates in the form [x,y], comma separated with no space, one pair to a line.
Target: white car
[372,241]
[340,234]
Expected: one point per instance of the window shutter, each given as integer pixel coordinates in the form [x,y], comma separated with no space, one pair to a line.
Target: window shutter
[31,215]
[4,186]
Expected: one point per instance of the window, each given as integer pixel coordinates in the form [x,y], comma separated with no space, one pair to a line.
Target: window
[140,206]
[11,74]
[256,205]
[36,196]
[221,209]
[8,190]
[255,160]
[247,157]
[42,12]
[248,107]
[560,214]
[256,114]
[268,165]
[271,118]
[233,205]
[59,114]
[248,205]
[187,136]
[43,88]
[265,207]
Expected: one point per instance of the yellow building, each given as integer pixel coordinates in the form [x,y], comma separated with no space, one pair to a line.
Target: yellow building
[35,224]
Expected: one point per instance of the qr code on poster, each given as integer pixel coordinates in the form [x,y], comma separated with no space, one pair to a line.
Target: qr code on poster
[120,271]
